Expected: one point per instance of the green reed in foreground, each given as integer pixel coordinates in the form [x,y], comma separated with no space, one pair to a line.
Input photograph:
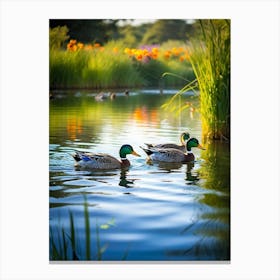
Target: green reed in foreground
[210,60]
[68,245]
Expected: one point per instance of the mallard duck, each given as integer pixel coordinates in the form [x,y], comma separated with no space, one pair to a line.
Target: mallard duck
[104,161]
[100,96]
[173,155]
[183,138]
[112,95]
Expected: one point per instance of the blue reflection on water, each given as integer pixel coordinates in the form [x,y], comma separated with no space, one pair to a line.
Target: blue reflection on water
[160,212]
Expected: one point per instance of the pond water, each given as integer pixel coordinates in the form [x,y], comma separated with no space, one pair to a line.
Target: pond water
[150,212]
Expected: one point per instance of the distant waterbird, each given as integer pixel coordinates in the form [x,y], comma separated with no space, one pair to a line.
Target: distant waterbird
[112,95]
[103,96]
[100,96]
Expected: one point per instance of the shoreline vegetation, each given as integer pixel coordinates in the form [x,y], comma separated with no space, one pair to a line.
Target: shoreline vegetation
[113,65]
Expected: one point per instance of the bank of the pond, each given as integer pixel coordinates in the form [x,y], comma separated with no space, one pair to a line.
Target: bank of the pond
[114,66]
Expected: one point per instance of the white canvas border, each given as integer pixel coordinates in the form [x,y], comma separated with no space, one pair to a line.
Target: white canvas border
[24,138]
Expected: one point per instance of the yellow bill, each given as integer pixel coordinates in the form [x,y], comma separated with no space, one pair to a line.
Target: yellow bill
[200,147]
[135,154]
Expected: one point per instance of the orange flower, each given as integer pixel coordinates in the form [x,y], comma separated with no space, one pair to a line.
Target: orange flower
[187,56]
[71,47]
[149,54]
[97,45]
[71,44]
[167,54]
[88,47]
[180,50]
[115,50]
[139,57]
[154,55]
[145,52]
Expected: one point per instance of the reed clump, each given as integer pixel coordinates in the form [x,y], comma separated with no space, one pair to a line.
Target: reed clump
[210,60]
[211,64]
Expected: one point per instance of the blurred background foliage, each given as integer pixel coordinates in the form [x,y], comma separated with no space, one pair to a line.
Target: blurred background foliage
[128,31]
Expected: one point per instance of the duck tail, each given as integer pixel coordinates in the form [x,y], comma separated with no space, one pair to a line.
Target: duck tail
[147,151]
[149,145]
[77,156]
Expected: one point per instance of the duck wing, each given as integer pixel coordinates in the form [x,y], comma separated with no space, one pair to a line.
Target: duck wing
[99,161]
[167,146]
[165,155]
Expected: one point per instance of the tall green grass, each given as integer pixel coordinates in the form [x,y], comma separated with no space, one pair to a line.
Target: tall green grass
[108,69]
[211,64]
[91,69]
[152,72]
[66,68]
[210,60]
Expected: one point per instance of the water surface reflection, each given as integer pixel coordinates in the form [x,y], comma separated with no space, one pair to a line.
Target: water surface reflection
[159,211]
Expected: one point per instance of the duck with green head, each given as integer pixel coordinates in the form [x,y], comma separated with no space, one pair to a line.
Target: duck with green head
[183,138]
[104,161]
[174,155]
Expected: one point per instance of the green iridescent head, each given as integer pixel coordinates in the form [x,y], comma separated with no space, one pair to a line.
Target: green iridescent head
[193,143]
[126,150]
[184,137]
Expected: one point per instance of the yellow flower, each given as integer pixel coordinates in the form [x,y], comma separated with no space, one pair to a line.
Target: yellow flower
[175,51]
[127,51]
[155,50]
[80,45]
